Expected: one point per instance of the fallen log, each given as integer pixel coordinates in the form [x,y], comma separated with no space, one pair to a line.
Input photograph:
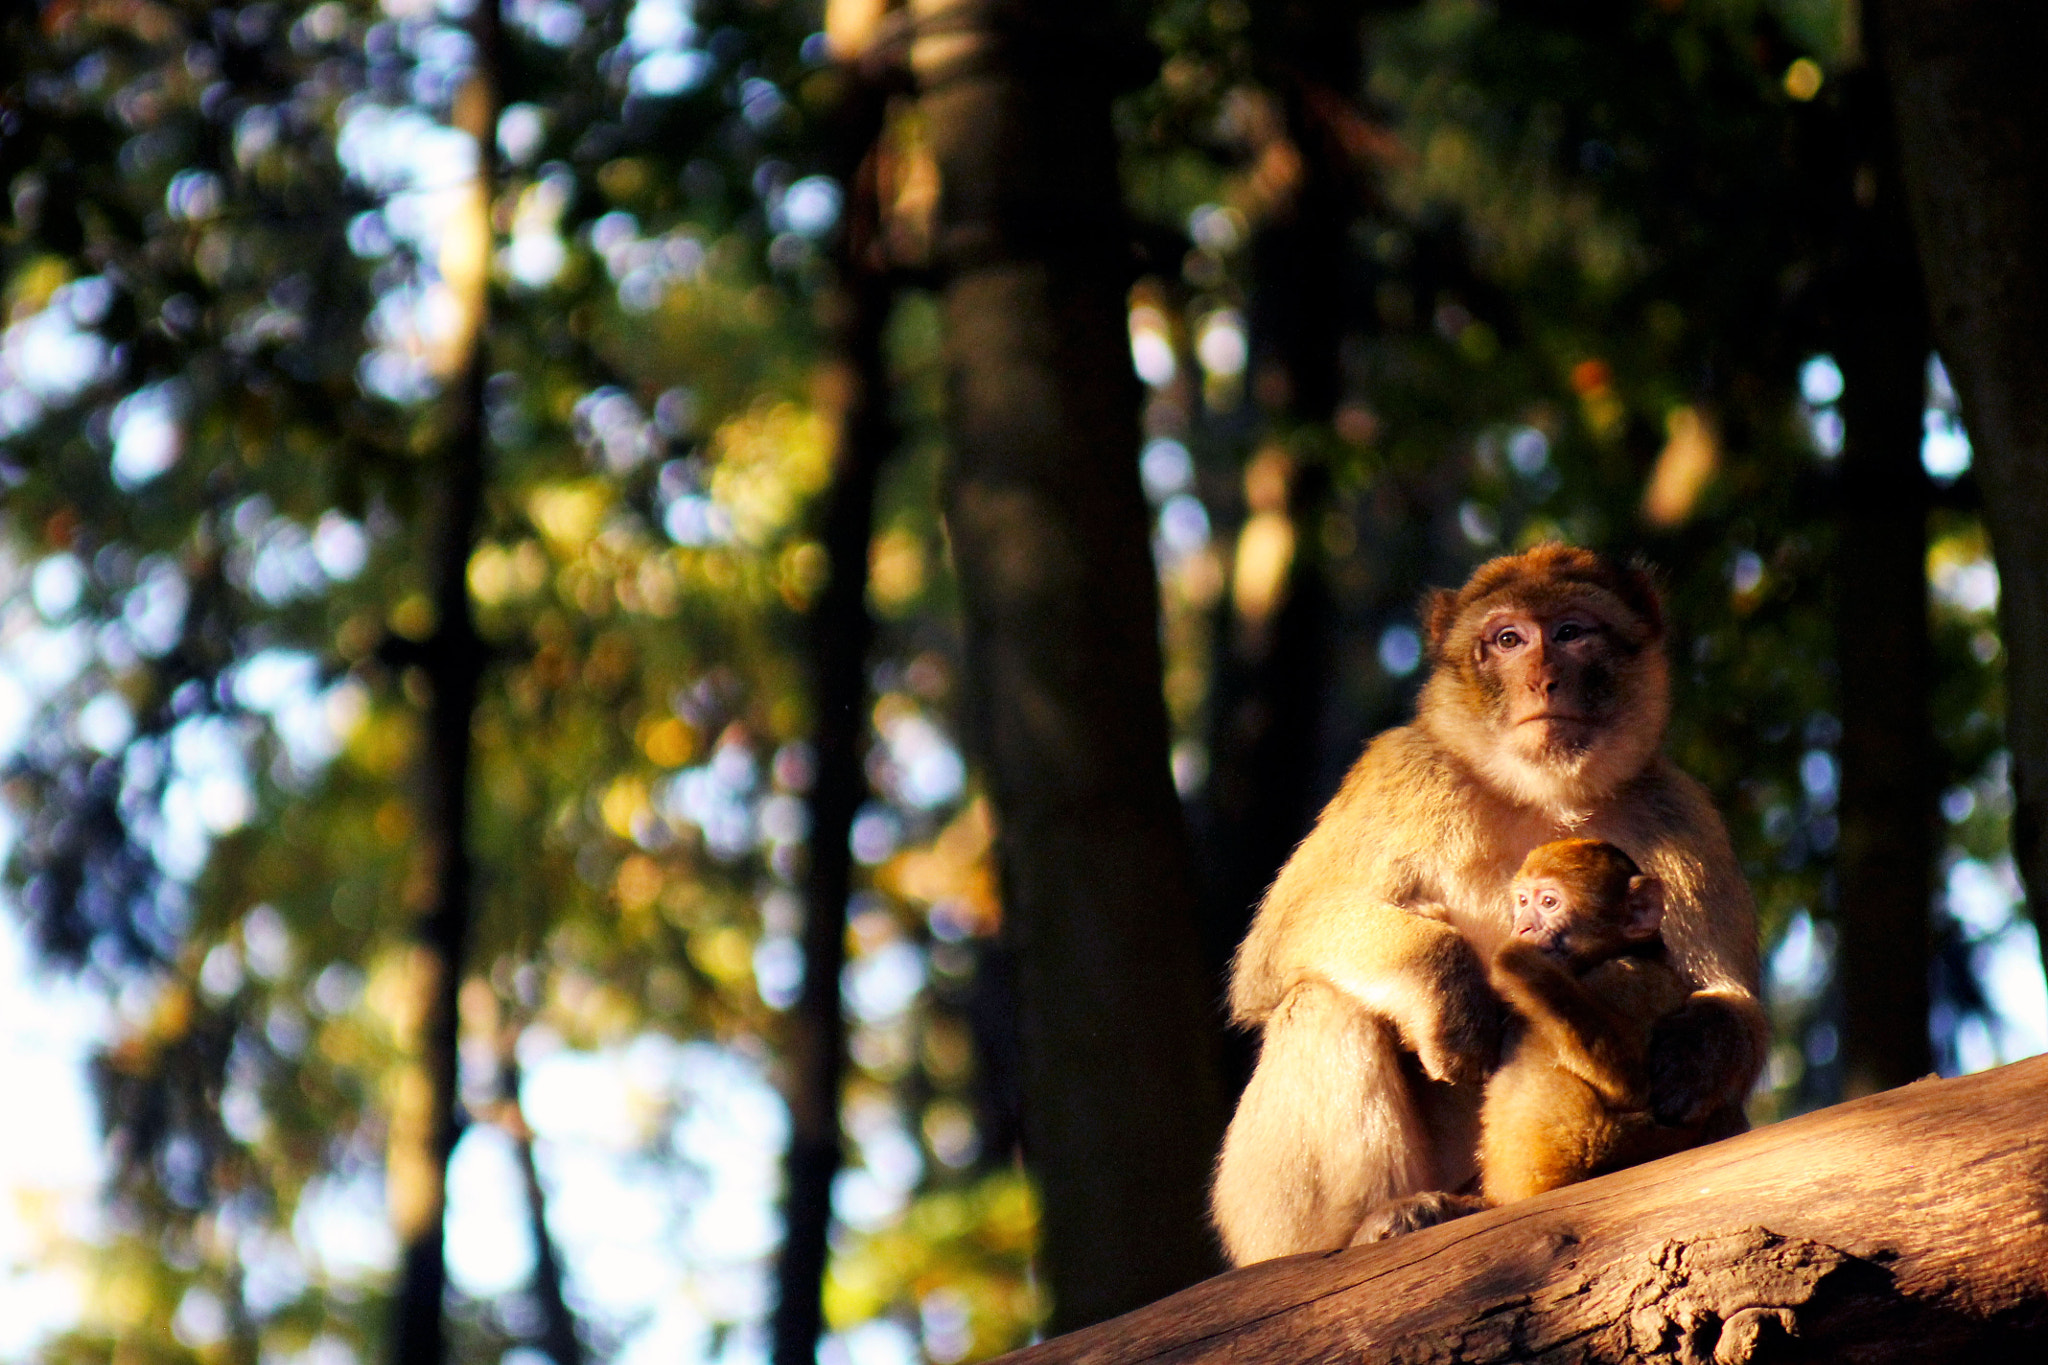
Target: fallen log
[1906,1226]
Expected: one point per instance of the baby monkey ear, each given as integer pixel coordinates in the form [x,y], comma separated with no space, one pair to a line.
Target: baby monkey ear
[1644,910]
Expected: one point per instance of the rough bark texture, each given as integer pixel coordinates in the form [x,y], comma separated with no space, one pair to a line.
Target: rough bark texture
[1901,1227]
[1048,530]
[1890,777]
[1972,116]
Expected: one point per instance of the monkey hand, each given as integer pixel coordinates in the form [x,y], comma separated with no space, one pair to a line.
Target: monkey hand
[1703,1058]
[1445,1011]
[1519,960]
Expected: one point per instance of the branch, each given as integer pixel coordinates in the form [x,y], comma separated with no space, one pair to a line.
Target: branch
[1907,1226]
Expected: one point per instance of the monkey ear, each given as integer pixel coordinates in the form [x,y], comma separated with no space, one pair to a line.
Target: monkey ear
[1439,611]
[1644,910]
[1639,592]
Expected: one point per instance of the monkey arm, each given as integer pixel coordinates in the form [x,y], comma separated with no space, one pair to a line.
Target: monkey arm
[1417,973]
[1565,1019]
[1705,1056]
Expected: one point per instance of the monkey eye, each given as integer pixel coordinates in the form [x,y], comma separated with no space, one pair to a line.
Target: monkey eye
[1507,639]
[1570,630]
[1549,902]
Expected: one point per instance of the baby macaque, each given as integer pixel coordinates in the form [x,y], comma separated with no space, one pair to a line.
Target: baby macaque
[1586,977]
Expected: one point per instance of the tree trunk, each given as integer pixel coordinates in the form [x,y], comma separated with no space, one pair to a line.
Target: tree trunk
[1048,530]
[557,1338]
[1885,864]
[840,632]
[1901,1227]
[1973,121]
[1274,655]
[429,1122]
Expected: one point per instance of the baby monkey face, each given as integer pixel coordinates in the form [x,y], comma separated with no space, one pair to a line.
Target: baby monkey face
[1550,915]
[1583,902]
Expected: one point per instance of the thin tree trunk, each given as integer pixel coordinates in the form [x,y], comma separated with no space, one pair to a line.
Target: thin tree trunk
[1049,532]
[1885,864]
[558,1337]
[1972,115]
[1900,1227]
[452,658]
[840,630]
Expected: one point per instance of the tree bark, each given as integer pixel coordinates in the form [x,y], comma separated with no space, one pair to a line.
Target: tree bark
[1901,1227]
[1890,778]
[1048,529]
[841,630]
[1973,118]
[452,660]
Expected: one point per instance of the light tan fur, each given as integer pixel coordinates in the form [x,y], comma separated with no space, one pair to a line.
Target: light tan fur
[1434,815]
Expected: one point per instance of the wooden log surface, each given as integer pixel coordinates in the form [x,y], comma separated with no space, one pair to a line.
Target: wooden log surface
[1906,1226]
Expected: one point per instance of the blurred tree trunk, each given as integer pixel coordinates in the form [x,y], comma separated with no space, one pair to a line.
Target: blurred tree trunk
[427,1121]
[1890,776]
[840,633]
[1048,529]
[558,1338]
[1972,109]
[1275,658]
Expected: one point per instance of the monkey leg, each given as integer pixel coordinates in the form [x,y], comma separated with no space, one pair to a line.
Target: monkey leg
[1326,1130]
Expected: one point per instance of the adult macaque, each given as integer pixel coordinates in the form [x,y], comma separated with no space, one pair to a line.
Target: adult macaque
[1541,719]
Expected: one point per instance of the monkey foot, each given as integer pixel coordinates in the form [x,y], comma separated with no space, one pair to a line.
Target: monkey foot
[1416,1212]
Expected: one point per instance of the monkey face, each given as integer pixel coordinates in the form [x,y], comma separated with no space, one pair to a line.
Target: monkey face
[1548,677]
[1581,915]
[1547,914]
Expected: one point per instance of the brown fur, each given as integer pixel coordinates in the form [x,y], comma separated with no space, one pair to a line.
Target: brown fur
[1364,966]
[1571,1097]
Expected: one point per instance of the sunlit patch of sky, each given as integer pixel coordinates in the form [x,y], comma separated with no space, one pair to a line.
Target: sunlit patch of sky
[148,435]
[1945,446]
[1985,900]
[50,356]
[662,1163]
[425,172]
[51,1168]
[1970,586]
[661,37]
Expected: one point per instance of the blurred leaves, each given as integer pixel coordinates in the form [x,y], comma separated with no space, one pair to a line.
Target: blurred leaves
[1585,257]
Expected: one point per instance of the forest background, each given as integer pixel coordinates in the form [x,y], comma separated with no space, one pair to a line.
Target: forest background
[523,784]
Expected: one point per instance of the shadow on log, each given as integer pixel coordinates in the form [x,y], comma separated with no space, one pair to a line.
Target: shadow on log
[1907,1226]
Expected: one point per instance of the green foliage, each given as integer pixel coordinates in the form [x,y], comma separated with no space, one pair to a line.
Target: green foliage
[1583,256]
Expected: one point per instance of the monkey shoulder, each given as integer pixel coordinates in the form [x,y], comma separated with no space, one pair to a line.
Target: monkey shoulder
[1385,842]
[1665,811]
[1403,807]
[1668,823]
